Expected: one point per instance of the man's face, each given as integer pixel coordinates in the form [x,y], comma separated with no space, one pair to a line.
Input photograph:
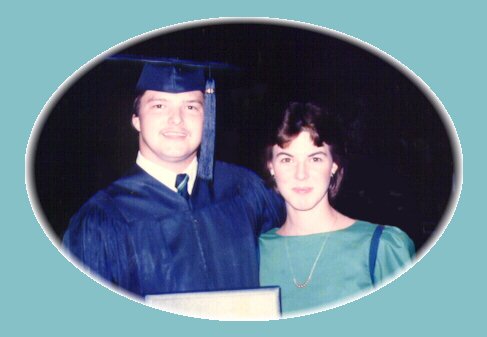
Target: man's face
[170,127]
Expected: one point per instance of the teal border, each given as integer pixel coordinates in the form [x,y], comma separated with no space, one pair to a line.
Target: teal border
[43,43]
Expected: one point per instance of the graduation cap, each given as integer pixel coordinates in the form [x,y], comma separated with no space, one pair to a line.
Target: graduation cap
[176,76]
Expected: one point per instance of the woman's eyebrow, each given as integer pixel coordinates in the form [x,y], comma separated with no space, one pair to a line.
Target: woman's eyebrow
[318,153]
[282,153]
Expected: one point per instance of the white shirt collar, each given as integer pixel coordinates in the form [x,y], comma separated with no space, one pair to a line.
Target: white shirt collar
[165,176]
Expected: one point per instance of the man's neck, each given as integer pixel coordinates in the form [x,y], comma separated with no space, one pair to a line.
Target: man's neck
[165,175]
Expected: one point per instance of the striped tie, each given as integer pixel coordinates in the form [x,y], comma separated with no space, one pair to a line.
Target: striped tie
[182,185]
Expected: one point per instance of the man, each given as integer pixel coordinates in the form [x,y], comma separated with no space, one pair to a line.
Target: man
[175,223]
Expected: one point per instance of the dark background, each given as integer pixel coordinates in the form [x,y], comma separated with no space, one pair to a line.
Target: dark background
[401,162]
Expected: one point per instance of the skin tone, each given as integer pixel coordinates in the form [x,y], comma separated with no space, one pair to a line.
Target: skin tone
[170,127]
[302,172]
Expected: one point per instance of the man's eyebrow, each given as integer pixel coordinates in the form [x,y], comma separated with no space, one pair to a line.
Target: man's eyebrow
[156,99]
[194,101]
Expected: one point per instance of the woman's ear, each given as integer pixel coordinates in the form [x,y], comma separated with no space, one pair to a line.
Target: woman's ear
[270,167]
[334,168]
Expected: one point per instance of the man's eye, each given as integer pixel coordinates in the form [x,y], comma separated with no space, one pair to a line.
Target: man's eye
[158,106]
[192,107]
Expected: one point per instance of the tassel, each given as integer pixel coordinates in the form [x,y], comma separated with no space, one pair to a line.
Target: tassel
[205,162]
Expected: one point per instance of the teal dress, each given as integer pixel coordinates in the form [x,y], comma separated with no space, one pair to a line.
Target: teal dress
[342,269]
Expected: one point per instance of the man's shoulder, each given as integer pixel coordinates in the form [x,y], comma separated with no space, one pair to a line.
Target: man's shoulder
[224,170]
[115,199]
[100,205]
[230,180]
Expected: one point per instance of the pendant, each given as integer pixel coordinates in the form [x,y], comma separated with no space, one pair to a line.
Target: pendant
[301,285]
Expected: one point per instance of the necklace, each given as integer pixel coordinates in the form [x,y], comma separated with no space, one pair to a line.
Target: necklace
[310,275]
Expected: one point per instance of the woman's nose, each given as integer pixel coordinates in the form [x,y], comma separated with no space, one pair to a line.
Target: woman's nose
[301,171]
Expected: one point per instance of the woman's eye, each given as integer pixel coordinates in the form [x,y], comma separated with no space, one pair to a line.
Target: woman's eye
[285,160]
[316,160]
[158,106]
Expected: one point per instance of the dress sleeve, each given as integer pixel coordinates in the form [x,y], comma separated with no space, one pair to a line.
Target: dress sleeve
[396,251]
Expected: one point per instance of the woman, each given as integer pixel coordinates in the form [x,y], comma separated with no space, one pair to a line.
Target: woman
[319,256]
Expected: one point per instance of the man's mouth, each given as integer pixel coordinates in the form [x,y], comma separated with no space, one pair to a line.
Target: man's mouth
[174,133]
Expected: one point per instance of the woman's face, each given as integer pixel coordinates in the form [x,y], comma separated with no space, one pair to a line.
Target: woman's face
[302,172]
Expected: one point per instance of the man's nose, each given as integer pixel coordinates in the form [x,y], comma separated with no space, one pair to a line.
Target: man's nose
[175,116]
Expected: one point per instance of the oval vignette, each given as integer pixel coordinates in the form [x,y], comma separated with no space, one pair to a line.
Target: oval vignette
[406,164]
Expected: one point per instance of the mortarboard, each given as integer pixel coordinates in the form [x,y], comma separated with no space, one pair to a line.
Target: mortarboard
[170,78]
[176,76]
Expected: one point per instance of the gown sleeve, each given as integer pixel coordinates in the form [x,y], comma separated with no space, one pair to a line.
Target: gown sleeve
[265,204]
[88,239]
[396,251]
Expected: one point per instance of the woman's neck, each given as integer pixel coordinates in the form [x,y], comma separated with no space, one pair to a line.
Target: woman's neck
[322,218]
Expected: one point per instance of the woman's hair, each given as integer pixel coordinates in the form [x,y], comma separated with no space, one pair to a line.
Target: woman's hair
[323,128]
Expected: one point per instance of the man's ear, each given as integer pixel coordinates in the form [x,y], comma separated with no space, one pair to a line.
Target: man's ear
[136,122]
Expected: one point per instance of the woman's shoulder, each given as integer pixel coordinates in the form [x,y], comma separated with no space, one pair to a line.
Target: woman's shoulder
[392,238]
[394,232]
[361,227]
[270,234]
[388,231]
[395,238]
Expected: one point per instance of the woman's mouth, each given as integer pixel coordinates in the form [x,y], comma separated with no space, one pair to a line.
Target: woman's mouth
[302,190]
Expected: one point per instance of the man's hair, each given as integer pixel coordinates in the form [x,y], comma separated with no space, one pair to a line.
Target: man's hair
[136,104]
[323,128]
